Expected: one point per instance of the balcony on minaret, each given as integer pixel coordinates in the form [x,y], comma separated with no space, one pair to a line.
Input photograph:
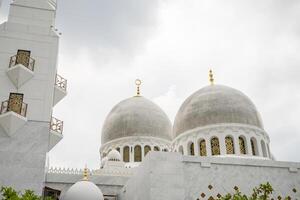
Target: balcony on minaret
[60,89]
[56,130]
[13,113]
[21,68]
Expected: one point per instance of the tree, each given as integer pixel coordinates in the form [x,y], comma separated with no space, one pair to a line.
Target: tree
[263,192]
[9,193]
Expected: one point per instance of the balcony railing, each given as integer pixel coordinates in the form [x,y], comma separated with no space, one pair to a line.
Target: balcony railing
[21,110]
[28,62]
[61,82]
[56,125]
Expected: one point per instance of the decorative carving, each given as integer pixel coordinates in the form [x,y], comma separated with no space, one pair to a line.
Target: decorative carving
[203,195]
[229,145]
[56,125]
[211,198]
[219,195]
[236,188]
[61,82]
[203,148]
[242,145]
[210,187]
[215,146]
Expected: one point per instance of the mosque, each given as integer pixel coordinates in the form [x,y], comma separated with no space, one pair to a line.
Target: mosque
[217,143]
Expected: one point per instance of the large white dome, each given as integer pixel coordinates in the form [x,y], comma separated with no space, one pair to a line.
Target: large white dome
[215,104]
[136,116]
[84,190]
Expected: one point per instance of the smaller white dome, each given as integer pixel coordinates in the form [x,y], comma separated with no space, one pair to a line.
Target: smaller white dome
[83,190]
[114,155]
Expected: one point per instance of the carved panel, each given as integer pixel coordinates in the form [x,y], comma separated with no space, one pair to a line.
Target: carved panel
[229,145]
[203,148]
[15,102]
[215,146]
[242,145]
[23,57]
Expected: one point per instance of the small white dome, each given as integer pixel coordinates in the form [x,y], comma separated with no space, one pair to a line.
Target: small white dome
[114,155]
[83,190]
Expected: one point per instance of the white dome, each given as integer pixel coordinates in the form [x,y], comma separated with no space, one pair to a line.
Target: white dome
[83,190]
[114,155]
[136,116]
[216,104]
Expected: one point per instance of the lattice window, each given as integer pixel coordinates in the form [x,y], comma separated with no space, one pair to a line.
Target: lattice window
[156,148]
[202,145]
[229,145]
[126,154]
[242,145]
[15,102]
[215,146]
[137,153]
[146,150]
[191,149]
[23,57]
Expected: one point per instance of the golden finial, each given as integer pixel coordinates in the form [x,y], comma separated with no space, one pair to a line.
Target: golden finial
[211,77]
[85,174]
[138,83]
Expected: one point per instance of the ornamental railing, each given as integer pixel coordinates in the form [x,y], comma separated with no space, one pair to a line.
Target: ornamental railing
[21,110]
[56,125]
[61,82]
[27,61]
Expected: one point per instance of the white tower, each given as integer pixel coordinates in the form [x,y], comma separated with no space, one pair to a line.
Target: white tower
[29,88]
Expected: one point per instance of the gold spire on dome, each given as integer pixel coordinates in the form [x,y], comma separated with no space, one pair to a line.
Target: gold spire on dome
[138,83]
[211,77]
[85,174]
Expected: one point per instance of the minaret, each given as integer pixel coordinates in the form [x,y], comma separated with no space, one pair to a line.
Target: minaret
[29,89]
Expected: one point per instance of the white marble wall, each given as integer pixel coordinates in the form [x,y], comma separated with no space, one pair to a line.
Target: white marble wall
[23,156]
[166,176]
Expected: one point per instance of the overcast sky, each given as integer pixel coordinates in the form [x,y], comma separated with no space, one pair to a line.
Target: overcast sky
[252,45]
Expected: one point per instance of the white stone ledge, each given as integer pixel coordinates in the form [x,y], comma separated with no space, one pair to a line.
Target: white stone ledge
[242,161]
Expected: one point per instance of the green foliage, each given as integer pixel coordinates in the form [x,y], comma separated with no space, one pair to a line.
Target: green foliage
[9,193]
[263,192]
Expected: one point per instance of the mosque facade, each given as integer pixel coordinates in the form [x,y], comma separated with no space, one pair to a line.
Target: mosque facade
[216,145]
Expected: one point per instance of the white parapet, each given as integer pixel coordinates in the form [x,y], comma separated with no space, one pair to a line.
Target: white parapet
[19,75]
[11,122]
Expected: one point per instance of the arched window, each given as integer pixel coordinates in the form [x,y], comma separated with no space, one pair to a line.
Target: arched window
[229,145]
[146,150]
[254,146]
[202,147]
[242,145]
[264,149]
[180,150]
[137,153]
[191,149]
[126,154]
[156,148]
[215,146]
